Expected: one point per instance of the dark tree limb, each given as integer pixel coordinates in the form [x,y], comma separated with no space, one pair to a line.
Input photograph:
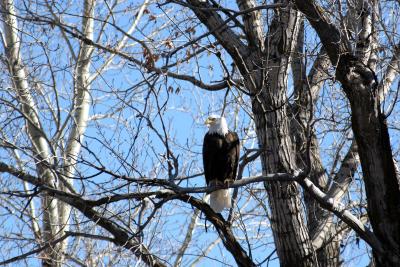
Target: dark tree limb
[382,185]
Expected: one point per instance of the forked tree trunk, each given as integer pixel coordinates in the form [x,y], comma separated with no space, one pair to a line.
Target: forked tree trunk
[272,124]
[263,63]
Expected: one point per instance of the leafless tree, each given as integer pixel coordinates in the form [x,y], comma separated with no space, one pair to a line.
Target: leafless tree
[101,113]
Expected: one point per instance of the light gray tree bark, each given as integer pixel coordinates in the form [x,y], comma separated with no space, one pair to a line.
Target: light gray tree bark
[79,113]
[56,214]
[42,151]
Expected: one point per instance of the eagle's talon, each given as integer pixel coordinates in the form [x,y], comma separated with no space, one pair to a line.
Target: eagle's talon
[228,182]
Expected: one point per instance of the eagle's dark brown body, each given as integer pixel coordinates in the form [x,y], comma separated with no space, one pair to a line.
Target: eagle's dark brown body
[220,156]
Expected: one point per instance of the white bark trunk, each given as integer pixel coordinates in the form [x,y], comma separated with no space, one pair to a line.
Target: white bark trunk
[392,71]
[80,110]
[32,209]
[12,44]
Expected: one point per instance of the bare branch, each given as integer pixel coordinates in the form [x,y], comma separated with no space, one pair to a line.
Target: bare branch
[392,71]
[188,238]
[338,209]
[85,206]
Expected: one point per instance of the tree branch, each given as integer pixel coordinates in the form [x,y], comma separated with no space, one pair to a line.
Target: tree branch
[330,36]
[252,24]
[121,236]
[392,71]
[176,192]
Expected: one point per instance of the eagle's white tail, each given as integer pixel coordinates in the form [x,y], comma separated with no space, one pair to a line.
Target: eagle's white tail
[220,200]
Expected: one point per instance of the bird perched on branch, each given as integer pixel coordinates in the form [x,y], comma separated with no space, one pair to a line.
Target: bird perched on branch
[220,159]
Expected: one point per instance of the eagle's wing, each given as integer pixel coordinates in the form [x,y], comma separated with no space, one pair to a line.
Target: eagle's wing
[207,158]
[233,154]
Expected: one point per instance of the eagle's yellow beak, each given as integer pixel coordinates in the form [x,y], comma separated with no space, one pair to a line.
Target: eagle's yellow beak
[209,121]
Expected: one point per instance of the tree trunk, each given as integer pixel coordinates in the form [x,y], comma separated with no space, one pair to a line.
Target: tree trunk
[81,106]
[41,153]
[272,124]
[381,181]
[264,66]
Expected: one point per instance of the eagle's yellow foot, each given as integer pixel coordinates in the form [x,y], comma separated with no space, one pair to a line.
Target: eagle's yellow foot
[228,182]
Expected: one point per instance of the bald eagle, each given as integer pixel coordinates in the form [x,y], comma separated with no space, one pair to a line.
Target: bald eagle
[220,159]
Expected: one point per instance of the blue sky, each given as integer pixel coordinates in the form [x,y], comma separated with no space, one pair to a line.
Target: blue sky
[125,136]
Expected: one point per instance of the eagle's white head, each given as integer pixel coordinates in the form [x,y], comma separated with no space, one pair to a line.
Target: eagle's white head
[217,124]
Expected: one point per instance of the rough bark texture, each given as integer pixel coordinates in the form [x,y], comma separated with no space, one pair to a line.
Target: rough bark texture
[264,66]
[279,155]
[371,133]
